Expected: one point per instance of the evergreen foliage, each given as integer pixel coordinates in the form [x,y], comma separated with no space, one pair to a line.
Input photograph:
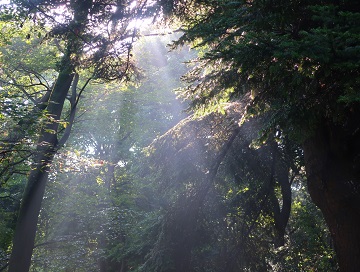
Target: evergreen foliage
[299,61]
[140,185]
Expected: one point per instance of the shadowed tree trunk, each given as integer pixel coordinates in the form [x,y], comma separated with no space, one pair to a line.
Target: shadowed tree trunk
[281,211]
[333,172]
[47,145]
[107,57]
[24,237]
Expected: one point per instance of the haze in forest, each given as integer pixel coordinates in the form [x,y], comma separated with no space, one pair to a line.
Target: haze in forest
[179,136]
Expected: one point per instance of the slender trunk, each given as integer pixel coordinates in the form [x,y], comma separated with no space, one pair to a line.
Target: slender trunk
[281,211]
[332,166]
[47,145]
[25,231]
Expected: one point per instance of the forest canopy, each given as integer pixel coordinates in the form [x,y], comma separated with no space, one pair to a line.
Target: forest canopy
[179,135]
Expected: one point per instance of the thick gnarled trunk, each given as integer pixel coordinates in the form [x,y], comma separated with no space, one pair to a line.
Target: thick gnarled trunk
[332,166]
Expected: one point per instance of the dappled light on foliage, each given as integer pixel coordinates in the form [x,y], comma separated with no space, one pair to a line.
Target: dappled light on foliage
[91,203]
[179,136]
[211,179]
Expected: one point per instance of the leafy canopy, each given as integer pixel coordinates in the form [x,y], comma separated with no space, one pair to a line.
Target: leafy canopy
[299,60]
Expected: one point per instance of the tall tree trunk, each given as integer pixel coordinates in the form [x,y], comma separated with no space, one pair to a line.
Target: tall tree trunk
[24,237]
[332,161]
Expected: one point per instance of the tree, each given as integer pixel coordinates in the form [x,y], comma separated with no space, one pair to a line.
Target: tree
[106,55]
[97,168]
[25,74]
[270,79]
[225,201]
[300,62]
[20,111]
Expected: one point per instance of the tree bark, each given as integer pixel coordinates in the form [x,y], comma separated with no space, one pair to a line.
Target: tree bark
[26,225]
[333,171]
[281,212]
